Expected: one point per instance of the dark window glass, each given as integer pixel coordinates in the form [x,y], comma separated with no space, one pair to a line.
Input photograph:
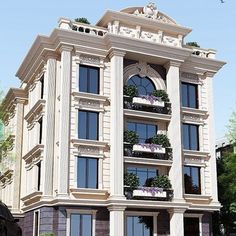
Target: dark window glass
[80,225]
[88,125]
[42,86]
[143,173]
[139,225]
[40,130]
[192,180]
[144,85]
[144,131]
[36,223]
[189,95]
[191,226]
[39,176]
[190,137]
[88,79]
[87,172]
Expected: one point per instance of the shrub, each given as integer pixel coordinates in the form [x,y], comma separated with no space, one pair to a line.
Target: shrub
[131,180]
[193,44]
[161,94]
[161,181]
[130,90]
[82,20]
[131,137]
[161,139]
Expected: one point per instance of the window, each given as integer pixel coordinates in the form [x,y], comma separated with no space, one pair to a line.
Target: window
[88,79]
[143,173]
[191,226]
[40,130]
[190,137]
[139,226]
[81,224]
[87,172]
[42,86]
[189,95]
[88,125]
[192,180]
[144,85]
[36,223]
[144,131]
[38,176]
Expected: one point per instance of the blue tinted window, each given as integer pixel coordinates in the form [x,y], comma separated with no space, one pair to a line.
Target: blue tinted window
[139,226]
[144,85]
[144,131]
[88,79]
[143,173]
[189,95]
[192,181]
[190,137]
[87,172]
[88,125]
[81,225]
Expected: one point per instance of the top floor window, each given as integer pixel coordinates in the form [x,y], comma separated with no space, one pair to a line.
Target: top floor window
[42,87]
[189,95]
[88,79]
[144,85]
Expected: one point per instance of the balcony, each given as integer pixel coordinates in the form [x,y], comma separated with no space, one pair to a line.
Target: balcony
[157,102]
[157,147]
[154,189]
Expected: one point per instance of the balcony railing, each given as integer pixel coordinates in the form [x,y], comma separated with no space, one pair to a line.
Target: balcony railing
[142,104]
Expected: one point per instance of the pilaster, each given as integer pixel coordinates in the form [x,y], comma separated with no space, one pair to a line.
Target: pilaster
[176,222]
[49,126]
[174,130]
[64,127]
[116,138]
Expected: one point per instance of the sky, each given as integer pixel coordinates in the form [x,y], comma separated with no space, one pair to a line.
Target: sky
[213,25]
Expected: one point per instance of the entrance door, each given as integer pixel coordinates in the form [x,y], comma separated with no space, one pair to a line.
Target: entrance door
[191,226]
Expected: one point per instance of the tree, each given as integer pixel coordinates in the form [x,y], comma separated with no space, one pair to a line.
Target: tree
[82,20]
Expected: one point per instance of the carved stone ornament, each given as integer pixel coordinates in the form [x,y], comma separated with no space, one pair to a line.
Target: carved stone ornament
[143,69]
[89,103]
[90,59]
[88,150]
[193,118]
[149,11]
[189,76]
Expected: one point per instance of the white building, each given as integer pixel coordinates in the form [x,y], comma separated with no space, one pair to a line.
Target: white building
[92,107]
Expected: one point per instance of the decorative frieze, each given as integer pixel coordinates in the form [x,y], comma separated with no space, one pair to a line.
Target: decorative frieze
[90,59]
[88,150]
[89,103]
[189,76]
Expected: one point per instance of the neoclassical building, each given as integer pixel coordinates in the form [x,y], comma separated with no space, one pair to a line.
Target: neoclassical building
[112,130]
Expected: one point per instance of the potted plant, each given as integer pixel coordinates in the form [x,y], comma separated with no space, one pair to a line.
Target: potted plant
[131,137]
[162,94]
[161,139]
[131,182]
[130,91]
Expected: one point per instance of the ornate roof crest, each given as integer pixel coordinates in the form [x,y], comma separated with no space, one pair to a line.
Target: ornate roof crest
[149,11]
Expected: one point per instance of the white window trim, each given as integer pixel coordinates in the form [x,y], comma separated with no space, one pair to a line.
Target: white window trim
[199,216]
[38,222]
[140,213]
[74,211]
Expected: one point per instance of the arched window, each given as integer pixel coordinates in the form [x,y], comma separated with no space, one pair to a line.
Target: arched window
[144,85]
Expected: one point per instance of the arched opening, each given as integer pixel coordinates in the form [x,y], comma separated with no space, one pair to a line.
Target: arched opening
[144,85]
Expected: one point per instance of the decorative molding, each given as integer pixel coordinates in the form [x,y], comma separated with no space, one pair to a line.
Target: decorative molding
[190,76]
[195,116]
[90,60]
[89,103]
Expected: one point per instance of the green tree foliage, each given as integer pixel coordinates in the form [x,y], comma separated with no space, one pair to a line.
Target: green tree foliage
[231,135]
[82,20]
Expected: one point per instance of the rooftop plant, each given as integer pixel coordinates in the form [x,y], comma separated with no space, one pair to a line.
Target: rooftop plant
[193,44]
[82,20]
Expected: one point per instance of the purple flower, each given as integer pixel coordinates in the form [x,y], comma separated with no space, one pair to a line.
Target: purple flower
[151,146]
[151,98]
[152,190]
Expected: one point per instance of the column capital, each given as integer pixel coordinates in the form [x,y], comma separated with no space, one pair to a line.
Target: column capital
[209,74]
[65,47]
[176,210]
[173,64]
[116,52]
[116,208]
[47,54]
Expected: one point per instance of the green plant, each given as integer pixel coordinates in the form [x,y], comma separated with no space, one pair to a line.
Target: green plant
[131,181]
[161,94]
[161,139]
[131,137]
[82,20]
[161,181]
[47,234]
[130,90]
[193,44]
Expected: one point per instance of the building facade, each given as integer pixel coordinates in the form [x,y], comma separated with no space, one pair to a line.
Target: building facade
[112,130]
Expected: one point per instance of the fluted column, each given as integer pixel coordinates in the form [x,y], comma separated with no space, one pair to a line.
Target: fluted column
[49,126]
[64,128]
[174,130]
[176,222]
[117,124]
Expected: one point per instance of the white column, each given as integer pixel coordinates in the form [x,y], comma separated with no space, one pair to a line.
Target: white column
[117,220]
[101,76]
[211,125]
[117,123]
[64,128]
[49,127]
[174,130]
[176,222]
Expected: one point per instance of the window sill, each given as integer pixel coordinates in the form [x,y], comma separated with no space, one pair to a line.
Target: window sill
[194,111]
[146,161]
[88,142]
[90,96]
[33,153]
[32,198]
[194,153]
[197,197]
[88,193]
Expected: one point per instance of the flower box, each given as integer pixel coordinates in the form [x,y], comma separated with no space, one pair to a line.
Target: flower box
[148,101]
[146,147]
[150,192]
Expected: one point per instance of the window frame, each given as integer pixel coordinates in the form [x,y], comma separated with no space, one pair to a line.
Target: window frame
[199,216]
[88,67]
[77,164]
[190,144]
[81,212]
[38,223]
[87,124]
[199,180]
[196,98]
